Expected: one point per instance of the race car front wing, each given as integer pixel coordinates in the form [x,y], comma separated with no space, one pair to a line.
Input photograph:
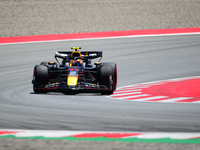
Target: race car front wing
[63,87]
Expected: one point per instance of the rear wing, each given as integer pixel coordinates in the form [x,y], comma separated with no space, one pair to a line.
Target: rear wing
[84,54]
[92,54]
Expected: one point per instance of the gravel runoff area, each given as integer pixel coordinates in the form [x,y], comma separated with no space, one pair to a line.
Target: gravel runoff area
[24,144]
[39,17]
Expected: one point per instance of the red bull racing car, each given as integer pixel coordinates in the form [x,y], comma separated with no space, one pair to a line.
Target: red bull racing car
[73,71]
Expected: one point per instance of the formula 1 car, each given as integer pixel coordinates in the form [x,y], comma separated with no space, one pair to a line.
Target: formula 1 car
[74,72]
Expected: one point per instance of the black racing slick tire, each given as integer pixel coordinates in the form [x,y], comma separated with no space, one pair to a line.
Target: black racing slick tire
[41,78]
[114,66]
[106,79]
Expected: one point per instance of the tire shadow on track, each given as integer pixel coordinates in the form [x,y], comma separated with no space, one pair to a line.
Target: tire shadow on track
[73,93]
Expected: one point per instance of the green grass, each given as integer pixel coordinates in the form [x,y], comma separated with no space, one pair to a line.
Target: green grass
[162,140]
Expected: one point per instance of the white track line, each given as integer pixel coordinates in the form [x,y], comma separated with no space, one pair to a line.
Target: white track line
[120,94]
[123,91]
[135,96]
[149,98]
[176,99]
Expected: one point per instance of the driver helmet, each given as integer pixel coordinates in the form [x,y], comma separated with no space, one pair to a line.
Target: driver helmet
[79,62]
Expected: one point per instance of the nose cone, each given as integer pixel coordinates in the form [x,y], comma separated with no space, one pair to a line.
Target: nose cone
[72,81]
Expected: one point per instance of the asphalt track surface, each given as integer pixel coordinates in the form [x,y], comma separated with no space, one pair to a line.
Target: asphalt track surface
[139,60]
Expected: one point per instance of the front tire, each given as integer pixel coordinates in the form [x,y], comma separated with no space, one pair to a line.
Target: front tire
[41,78]
[106,79]
[114,66]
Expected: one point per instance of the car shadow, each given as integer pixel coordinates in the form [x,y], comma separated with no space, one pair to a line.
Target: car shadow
[72,93]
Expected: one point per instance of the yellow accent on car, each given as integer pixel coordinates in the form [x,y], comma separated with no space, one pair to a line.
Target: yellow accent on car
[51,63]
[71,62]
[86,54]
[76,53]
[76,48]
[72,81]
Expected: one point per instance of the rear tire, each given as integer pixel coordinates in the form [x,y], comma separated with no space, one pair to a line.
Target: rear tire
[41,75]
[106,76]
